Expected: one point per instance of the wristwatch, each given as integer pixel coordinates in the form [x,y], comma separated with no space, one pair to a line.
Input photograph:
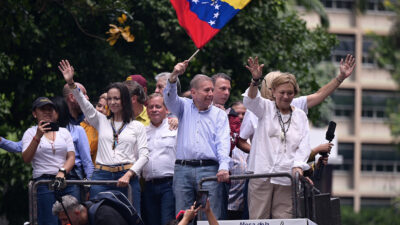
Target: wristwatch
[62,169]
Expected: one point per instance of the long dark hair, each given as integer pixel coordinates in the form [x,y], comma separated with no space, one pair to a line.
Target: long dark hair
[127,113]
[62,109]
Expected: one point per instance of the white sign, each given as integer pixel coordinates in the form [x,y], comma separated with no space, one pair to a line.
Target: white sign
[262,222]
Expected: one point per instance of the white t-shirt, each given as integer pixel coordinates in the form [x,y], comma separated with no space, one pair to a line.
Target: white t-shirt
[269,152]
[47,160]
[250,121]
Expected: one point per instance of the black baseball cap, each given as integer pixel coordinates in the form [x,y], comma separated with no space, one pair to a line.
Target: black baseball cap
[41,101]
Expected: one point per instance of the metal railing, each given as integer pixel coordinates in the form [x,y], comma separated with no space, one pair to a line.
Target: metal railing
[262,175]
[33,185]
[306,188]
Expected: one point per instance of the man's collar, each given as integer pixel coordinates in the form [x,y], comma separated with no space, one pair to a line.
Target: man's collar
[206,110]
[78,120]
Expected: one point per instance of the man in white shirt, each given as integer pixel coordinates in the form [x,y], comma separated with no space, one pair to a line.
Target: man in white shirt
[158,196]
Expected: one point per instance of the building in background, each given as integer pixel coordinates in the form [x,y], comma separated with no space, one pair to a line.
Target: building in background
[370,171]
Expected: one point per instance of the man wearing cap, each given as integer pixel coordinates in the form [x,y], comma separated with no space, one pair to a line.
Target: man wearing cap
[203,141]
[141,80]
[138,98]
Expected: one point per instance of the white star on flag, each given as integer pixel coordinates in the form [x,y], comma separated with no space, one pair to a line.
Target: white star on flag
[217,7]
[211,22]
[216,15]
[195,1]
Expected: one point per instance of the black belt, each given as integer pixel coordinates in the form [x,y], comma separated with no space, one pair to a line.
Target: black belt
[51,177]
[204,162]
[46,176]
[160,180]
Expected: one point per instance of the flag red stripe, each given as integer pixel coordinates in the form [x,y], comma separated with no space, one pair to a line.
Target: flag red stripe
[200,31]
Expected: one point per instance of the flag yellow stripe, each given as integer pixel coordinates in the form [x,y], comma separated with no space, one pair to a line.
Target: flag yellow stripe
[237,4]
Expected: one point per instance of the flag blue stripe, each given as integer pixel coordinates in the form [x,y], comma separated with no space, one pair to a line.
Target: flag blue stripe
[206,10]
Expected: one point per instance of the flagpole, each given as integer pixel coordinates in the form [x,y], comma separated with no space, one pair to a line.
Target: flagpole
[194,54]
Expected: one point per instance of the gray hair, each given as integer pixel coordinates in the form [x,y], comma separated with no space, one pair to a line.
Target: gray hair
[70,203]
[222,76]
[165,76]
[194,83]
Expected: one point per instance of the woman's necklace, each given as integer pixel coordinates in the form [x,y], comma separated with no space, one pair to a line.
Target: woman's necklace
[51,138]
[116,133]
[284,125]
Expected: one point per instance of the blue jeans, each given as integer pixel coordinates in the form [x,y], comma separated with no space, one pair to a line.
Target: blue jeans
[158,203]
[45,200]
[186,185]
[105,175]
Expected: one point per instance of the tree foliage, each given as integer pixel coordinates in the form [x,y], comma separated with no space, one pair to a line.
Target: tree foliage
[36,35]
[387,54]
[370,216]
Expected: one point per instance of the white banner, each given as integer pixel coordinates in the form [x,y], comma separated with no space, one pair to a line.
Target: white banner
[263,222]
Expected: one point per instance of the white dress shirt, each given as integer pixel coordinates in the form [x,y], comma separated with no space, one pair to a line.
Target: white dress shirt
[250,121]
[132,143]
[161,142]
[202,134]
[269,154]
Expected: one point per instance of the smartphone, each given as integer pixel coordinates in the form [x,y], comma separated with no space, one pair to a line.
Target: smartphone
[53,126]
[202,196]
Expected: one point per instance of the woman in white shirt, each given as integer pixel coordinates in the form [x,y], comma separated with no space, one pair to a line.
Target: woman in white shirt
[280,144]
[52,155]
[122,145]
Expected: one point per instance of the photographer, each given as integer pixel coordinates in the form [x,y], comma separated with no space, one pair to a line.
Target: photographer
[51,153]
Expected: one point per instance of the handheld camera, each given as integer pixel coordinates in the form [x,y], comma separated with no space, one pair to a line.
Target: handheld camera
[54,126]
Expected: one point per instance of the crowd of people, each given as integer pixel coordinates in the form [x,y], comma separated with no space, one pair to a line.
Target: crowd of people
[163,144]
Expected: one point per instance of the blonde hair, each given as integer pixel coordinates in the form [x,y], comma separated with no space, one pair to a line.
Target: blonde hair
[285,78]
[266,85]
[103,96]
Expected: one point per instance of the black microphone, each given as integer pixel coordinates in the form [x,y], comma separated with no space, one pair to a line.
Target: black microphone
[330,133]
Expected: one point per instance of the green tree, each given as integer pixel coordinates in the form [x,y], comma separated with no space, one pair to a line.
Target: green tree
[370,216]
[387,54]
[36,35]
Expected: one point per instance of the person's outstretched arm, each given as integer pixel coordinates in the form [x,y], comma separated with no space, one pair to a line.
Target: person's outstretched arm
[91,114]
[173,102]
[212,220]
[11,146]
[346,69]
[189,215]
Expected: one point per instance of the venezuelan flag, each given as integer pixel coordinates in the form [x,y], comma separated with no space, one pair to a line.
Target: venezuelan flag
[202,19]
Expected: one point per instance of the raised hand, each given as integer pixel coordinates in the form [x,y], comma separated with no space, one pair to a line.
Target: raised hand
[254,67]
[67,70]
[346,67]
[42,128]
[179,69]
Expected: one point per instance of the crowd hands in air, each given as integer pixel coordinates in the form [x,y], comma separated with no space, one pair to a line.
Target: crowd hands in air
[171,140]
